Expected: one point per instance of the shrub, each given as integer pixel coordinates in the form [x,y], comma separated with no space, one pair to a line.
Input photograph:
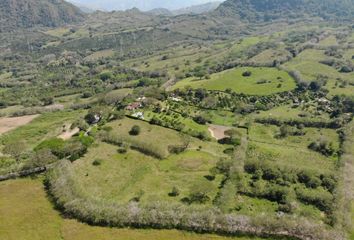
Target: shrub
[320,198]
[122,150]
[323,147]
[200,120]
[97,162]
[135,131]
[14,149]
[277,193]
[309,178]
[55,145]
[177,149]
[247,73]
[198,193]
[174,192]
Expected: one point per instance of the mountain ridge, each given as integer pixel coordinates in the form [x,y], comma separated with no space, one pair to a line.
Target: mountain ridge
[267,10]
[29,13]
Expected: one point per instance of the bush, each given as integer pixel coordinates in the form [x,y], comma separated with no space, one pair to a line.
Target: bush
[55,145]
[320,198]
[135,131]
[323,147]
[247,73]
[198,193]
[97,162]
[177,149]
[174,192]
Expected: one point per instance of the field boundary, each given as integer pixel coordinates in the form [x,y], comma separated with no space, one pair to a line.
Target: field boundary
[69,198]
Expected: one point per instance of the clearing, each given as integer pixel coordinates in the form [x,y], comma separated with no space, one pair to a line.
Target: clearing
[7,124]
[217,131]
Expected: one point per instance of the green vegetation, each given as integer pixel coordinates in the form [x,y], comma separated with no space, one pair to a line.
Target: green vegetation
[237,121]
[263,81]
[39,220]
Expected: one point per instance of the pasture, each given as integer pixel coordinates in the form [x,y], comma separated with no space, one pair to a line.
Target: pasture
[263,81]
[30,215]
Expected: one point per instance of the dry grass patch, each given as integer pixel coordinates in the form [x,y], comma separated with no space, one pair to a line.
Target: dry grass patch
[7,124]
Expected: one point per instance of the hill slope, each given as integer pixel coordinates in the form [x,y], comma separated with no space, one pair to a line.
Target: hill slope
[29,13]
[198,9]
[266,10]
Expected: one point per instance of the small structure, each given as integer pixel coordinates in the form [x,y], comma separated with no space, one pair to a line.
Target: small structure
[133,106]
[139,115]
[176,99]
[324,101]
[140,99]
[96,119]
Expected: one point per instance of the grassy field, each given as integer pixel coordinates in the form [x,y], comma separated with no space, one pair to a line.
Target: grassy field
[46,126]
[27,214]
[286,112]
[285,151]
[127,175]
[188,122]
[252,85]
[329,41]
[121,177]
[308,64]
[100,55]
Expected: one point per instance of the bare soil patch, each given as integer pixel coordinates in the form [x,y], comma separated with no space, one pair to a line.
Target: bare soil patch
[68,133]
[9,123]
[218,131]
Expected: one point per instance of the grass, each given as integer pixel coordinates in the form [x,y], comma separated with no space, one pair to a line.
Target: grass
[329,41]
[150,134]
[261,132]
[269,55]
[45,126]
[188,122]
[234,80]
[244,44]
[100,55]
[286,112]
[122,177]
[30,216]
[308,64]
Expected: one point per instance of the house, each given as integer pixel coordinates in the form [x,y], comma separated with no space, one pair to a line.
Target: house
[133,106]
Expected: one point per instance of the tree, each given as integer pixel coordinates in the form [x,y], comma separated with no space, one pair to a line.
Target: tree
[105,76]
[135,131]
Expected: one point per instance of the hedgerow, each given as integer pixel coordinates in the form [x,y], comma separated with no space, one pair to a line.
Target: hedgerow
[72,199]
